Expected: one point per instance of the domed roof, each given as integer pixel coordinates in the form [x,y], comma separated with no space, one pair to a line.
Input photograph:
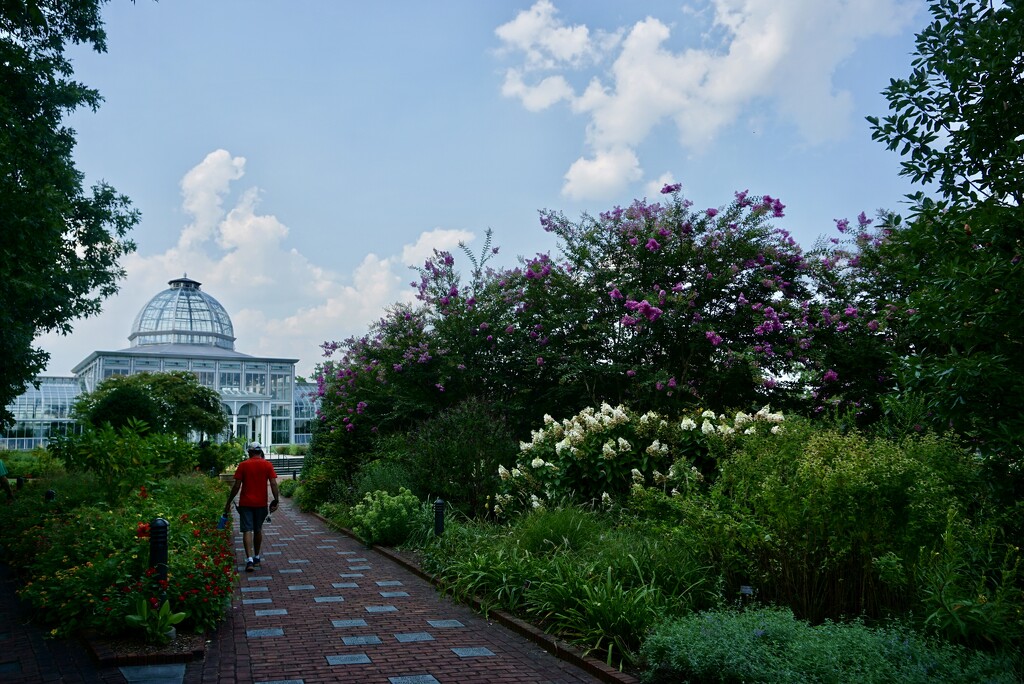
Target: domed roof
[183,314]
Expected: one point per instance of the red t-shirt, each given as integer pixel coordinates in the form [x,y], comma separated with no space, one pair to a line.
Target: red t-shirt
[255,473]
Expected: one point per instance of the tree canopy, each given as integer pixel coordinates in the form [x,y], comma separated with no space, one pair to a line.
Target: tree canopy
[61,245]
[172,403]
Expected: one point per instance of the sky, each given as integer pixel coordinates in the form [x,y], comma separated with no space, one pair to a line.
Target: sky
[299,158]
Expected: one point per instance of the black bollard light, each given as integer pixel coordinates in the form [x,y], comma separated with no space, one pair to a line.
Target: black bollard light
[438,517]
[20,482]
[50,495]
[158,530]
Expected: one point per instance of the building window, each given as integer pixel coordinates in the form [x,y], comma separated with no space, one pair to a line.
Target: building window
[230,380]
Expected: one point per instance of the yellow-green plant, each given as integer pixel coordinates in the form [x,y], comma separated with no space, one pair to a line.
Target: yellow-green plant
[384,519]
[156,623]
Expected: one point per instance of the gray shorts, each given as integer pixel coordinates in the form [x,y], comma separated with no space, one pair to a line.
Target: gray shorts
[251,518]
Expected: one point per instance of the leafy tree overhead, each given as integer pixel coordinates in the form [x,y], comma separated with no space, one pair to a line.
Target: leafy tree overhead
[61,244]
[958,120]
[170,403]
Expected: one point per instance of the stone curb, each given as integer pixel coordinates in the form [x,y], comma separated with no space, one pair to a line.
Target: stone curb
[559,649]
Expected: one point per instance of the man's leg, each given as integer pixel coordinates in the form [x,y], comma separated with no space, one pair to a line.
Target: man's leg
[247,538]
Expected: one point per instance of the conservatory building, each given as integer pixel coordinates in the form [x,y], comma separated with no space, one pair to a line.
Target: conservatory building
[181,328]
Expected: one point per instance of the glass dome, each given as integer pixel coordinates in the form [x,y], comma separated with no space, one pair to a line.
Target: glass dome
[183,314]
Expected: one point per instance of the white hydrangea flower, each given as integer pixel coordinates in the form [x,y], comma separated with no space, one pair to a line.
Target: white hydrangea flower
[605,499]
[659,478]
[726,430]
[638,477]
[561,446]
[525,446]
[708,414]
[750,430]
[674,492]
[548,420]
[687,424]
[741,419]
[537,463]
[534,501]
[516,472]
[707,428]
[608,449]
[503,472]
[655,448]
[624,445]
[776,429]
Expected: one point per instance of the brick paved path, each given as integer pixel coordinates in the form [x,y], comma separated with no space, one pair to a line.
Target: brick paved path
[323,608]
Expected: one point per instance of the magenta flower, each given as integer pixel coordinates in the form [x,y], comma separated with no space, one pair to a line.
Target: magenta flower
[714,338]
[440,387]
[873,325]
[540,360]
[630,373]
[510,329]
[615,294]
[830,376]
[712,212]
[653,245]
[669,189]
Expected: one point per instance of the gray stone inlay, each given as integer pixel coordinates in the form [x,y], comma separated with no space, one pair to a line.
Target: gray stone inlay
[270,632]
[247,589]
[249,602]
[474,652]
[271,553]
[260,577]
[414,679]
[350,574]
[389,583]
[329,540]
[153,674]
[329,599]
[286,539]
[271,611]
[284,681]
[349,623]
[359,567]
[444,624]
[329,546]
[354,659]
[361,640]
[301,587]
[393,594]
[344,585]
[298,560]
[290,570]
[279,545]
[380,609]
[414,636]
[356,560]
[346,553]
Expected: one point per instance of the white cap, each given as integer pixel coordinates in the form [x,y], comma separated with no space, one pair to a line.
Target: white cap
[254,446]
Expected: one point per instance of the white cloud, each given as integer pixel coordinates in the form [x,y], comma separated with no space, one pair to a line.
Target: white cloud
[603,175]
[281,303]
[756,55]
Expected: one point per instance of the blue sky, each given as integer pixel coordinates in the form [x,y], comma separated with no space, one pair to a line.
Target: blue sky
[296,158]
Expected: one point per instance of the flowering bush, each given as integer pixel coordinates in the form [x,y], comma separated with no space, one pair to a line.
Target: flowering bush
[599,455]
[87,566]
[384,519]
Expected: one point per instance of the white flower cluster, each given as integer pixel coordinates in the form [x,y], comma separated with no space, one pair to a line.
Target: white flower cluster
[571,433]
[657,448]
[742,419]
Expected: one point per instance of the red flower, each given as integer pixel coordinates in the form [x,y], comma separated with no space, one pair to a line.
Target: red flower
[143,494]
[142,530]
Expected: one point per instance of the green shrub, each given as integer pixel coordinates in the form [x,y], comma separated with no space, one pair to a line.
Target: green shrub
[455,456]
[381,476]
[816,513]
[35,463]
[287,487]
[384,519]
[559,530]
[770,645]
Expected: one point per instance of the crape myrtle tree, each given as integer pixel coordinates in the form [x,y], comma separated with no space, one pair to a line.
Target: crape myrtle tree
[958,121]
[60,244]
[657,305]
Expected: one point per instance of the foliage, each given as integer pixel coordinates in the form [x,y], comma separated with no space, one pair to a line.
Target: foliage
[770,645]
[561,530]
[381,476]
[287,488]
[971,587]
[155,623]
[219,457]
[834,524]
[957,121]
[384,519]
[35,463]
[61,245]
[86,565]
[125,459]
[173,402]
[455,455]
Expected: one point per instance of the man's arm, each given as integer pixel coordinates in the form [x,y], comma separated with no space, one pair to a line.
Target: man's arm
[234,490]
[277,495]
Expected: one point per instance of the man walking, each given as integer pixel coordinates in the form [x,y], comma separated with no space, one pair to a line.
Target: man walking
[252,477]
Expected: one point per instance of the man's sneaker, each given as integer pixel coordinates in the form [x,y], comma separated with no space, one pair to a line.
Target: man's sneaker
[248,566]
[256,561]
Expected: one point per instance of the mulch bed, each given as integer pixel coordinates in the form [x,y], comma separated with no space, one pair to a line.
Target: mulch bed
[132,651]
